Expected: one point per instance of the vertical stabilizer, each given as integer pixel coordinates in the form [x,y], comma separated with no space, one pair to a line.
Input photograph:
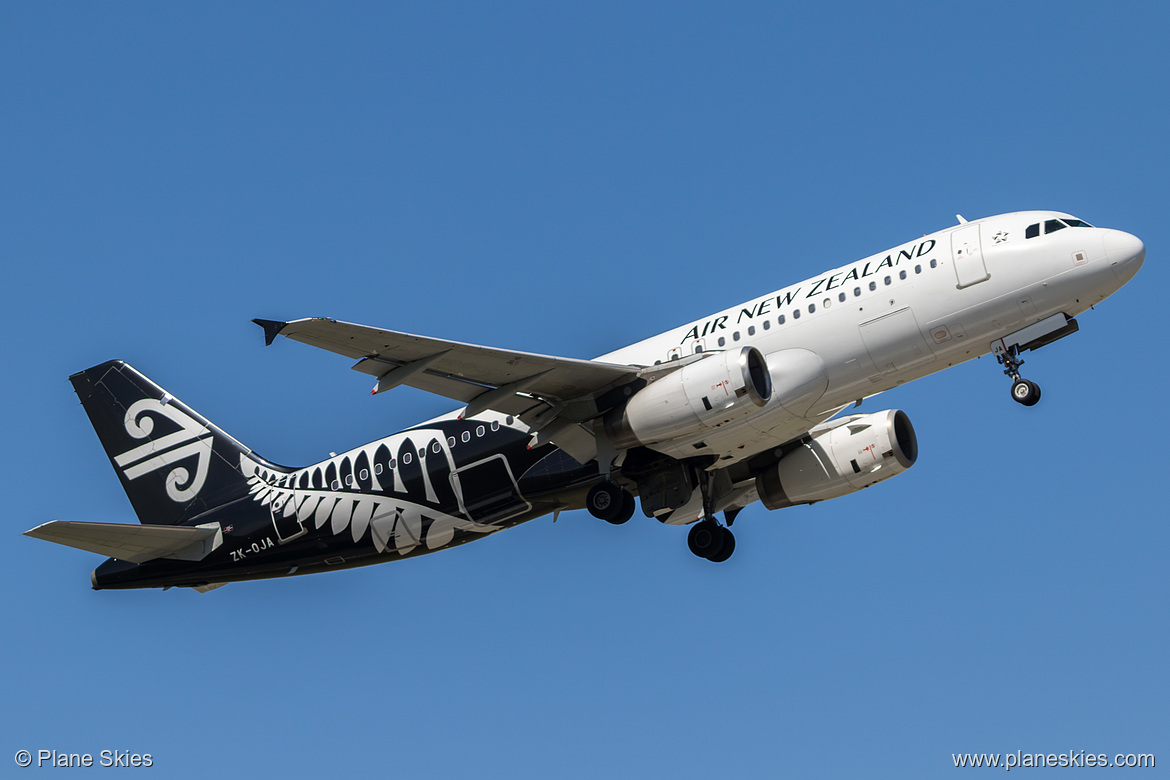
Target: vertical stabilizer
[174,464]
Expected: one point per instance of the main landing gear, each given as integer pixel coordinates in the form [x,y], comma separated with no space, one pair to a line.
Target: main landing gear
[1023,390]
[610,502]
[712,541]
[707,539]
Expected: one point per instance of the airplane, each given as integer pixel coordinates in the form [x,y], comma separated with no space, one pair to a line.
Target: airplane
[707,418]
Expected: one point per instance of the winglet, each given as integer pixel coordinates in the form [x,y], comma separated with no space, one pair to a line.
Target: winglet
[962,220]
[272,329]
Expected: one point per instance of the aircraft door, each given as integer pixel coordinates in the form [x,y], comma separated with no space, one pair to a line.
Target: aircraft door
[967,254]
[487,491]
[288,513]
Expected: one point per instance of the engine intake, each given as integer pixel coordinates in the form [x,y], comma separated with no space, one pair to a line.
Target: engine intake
[844,456]
[713,391]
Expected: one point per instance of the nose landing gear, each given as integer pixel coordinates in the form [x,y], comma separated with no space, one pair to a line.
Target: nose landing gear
[1026,392]
[1023,391]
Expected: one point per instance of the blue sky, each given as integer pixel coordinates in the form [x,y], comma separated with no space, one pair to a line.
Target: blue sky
[570,179]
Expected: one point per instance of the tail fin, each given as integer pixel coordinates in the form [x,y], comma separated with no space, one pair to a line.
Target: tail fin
[173,463]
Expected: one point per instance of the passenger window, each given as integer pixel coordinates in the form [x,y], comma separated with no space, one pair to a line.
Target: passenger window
[450,442]
[841,297]
[888,280]
[826,303]
[480,431]
[466,436]
[934,263]
[767,324]
[722,341]
[872,286]
[407,458]
[918,269]
[735,336]
[812,307]
[901,274]
[796,314]
[1053,225]
[1032,231]
[364,475]
[856,292]
[780,320]
[377,468]
[751,330]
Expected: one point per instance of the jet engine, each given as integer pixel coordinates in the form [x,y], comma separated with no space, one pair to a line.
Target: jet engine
[708,393]
[843,456]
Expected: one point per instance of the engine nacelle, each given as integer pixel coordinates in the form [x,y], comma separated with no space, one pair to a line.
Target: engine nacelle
[712,391]
[844,456]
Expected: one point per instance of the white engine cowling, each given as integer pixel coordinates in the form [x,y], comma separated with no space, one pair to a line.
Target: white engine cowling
[844,456]
[713,391]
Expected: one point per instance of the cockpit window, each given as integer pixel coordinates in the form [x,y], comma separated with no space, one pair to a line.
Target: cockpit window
[1053,225]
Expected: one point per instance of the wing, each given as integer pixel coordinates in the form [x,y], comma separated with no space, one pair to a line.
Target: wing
[553,395]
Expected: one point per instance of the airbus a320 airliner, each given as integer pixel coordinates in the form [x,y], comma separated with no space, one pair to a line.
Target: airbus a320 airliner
[702,420]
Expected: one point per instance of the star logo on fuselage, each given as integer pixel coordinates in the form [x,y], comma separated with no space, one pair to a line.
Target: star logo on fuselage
[999,237]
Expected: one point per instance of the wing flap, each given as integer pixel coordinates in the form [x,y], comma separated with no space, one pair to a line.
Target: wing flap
[131,541]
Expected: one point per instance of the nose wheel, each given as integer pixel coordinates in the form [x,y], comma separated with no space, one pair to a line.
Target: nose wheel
[1024,391]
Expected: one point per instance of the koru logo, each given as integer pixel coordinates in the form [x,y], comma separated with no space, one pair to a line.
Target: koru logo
[191,440]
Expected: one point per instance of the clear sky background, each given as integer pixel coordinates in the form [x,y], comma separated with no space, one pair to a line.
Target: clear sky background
[567,180]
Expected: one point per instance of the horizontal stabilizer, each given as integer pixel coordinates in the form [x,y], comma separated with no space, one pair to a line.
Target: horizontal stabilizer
[133,542]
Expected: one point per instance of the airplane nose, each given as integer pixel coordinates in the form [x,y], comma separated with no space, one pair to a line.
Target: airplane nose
[1124,249]
[1126,253]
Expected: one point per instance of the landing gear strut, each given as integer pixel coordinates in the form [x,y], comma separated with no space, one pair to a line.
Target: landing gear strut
[707,539]
[1023,391]
[610,502]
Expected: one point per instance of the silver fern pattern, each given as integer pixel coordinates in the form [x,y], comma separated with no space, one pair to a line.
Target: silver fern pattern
[363,491]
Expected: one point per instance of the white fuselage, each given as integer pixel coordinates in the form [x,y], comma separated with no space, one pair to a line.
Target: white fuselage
[895,316]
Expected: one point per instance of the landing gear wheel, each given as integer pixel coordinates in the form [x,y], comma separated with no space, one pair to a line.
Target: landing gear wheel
[1025,392]
[727,548]
[711,541]
[610,502]
[629,504]
[705,539]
